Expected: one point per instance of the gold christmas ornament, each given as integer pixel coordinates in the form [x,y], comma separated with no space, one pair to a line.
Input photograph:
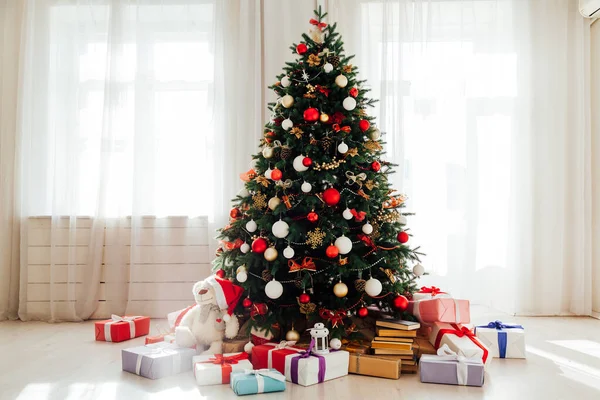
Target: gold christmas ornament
[259,200]
[372,146]
[340,289]
[341,81]
[370,184]
[271,254]
[292,335]
[287,101]
[353,152]
[347,68]
[389,274]
[274,202]
[307,308]
[324,118]
[343,261]
[261,179]
[296,131]
[315,238]
[314,60]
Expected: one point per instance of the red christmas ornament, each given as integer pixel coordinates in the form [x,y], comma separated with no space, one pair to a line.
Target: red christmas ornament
[363,312]
[354,92]
[332,251]
[331,196]
[276,174]
[301,48]
[220,273]
[235,213]
[400,303]
[269,136]
[402,237]
[311,114]
[247,302]
[307,161]
[364,125]
[312,216]
[258,309]
[304,298]
[259,245]
[375,166]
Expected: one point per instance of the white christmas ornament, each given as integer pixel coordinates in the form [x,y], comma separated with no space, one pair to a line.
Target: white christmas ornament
[298,166]
[246,247]
[287,124]
[375,134]
[306,187]
[243,192]
[287,101]
[343,148]
[248,347]
[268,173]
[349,103]
[344,244]
[228,262]
[241,268]
[347,214]
[367,228]
[341,81]
[402,220]
[285,81]
[418,270]
[288,252]
[251,226]
[280,229]
[373,287]
[273,203]
[274,289]
[241,276]
[267,152]
[335,343]
[328,68]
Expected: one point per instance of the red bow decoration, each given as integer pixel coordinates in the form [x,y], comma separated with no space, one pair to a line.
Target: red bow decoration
[318,24]
[221,359]
[258,309]
[248,176]
[307,264]
[335,317]
[433,290]
[232,245]
[337,117]
[323,90]
[369,242]
[358,215]
[337,128]
[461,331]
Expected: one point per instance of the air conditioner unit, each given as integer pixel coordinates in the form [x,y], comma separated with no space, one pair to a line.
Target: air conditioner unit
[589,8]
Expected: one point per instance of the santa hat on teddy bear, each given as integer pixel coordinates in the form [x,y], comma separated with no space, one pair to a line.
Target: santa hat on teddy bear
[227,293]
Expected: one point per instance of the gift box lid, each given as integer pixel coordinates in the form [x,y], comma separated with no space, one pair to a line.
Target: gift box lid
[247,382]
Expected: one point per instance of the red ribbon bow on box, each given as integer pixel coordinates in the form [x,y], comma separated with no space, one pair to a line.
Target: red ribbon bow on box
[232,245]
[337,128]
[461,331]
[225,362]
[432,289]
[307,264]
[318,24]
[335,317]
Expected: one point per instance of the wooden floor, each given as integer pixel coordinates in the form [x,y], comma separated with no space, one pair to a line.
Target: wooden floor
[62,361]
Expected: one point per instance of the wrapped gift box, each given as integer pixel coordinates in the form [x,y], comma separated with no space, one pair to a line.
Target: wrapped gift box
[503,340]
[422,346]
[441,310]
[272,355]
[451,370]
[166,337]
[157,360]
[428,293]
[257,381]
[234,345]
[459,339]
[308,369]
[119,329]
[215,369]
[374,366]
[357,347]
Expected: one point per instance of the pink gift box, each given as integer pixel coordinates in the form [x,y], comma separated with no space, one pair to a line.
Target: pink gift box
[441,310]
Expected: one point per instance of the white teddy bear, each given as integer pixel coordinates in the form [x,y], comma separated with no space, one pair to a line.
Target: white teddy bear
[212,316]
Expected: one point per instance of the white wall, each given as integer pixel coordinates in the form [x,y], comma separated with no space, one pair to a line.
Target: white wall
[595,93]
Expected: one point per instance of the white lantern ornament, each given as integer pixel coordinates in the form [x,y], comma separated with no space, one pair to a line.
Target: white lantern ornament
[319,336]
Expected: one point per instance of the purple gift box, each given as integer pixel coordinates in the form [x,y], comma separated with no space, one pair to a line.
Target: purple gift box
[157,360]
[451,370]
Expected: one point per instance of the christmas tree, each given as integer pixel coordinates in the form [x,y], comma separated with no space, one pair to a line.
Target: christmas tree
[317,234]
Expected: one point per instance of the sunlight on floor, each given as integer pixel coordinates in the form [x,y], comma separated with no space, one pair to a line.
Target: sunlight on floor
[573,370]
[587,347]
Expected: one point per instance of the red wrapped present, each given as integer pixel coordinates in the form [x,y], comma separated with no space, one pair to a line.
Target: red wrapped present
[119,329]
[441,310]
[165,337]
[272,355]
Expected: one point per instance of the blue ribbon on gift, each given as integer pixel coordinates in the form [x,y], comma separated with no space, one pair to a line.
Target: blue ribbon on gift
[502,336]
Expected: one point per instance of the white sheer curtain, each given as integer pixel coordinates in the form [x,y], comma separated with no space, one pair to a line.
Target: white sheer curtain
[486,108]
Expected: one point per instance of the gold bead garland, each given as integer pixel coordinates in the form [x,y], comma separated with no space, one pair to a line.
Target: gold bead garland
[389,217]
[335,163]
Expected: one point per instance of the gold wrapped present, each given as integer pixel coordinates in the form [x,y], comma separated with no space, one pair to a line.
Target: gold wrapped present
[361,364]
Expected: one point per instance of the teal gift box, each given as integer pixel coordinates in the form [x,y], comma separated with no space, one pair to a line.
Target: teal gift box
[257,381]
